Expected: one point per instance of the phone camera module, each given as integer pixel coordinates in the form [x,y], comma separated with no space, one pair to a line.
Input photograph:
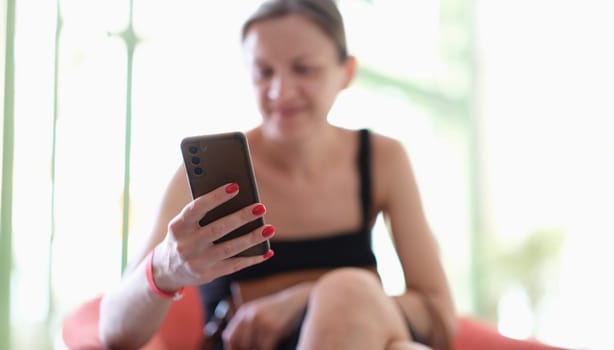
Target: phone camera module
[193,149]
[195,160]
[198,171]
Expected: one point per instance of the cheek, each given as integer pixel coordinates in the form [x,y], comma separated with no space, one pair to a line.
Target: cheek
[323,95]
[260,92]
[313,90]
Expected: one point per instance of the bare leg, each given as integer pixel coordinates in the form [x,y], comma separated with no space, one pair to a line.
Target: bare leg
[406,345]
[348,309]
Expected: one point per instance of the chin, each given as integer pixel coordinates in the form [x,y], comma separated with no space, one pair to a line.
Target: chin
[287,133]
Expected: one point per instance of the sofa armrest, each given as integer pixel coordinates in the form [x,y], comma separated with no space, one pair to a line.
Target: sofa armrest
[476,334]
[181,329]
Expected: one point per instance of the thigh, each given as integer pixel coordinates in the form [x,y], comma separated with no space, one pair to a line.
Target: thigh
[350,300]
[406,345]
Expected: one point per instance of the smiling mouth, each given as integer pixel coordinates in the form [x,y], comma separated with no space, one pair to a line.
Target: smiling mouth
[287,112]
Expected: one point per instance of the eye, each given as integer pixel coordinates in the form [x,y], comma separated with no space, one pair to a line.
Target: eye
[262,73]
[303,69]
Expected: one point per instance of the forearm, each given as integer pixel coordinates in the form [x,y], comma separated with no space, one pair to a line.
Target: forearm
[414,303]
[131,314]
[298,295]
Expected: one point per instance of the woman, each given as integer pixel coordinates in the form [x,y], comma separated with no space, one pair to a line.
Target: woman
[323,187]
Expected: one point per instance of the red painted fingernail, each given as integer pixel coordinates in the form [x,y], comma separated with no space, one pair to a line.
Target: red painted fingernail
[232,188]
[268,254]
[268,231]
[259,209]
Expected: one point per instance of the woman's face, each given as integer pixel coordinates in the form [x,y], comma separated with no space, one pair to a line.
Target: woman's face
[296,74]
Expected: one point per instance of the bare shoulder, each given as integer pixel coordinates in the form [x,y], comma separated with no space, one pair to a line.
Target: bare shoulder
[387,151]
[390,167]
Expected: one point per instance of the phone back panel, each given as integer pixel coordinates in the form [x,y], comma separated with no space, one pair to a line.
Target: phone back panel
[214,160]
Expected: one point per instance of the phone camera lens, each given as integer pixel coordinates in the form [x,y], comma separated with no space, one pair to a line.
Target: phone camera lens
[198,171]
[193,149]
[195,160]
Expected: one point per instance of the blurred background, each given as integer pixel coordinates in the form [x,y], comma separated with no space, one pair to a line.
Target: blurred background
[505,108]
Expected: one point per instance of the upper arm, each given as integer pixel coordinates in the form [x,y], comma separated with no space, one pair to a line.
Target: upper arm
[399,199]
[174,198]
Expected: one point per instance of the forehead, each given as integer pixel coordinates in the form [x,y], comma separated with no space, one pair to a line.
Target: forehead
[286,38]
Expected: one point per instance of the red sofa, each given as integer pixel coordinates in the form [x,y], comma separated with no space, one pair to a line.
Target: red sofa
[183,326]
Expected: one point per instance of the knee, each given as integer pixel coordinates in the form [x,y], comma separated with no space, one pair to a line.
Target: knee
[353,298]
[349,288]
[349,279]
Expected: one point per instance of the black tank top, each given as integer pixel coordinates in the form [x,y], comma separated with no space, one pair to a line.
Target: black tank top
[343,249]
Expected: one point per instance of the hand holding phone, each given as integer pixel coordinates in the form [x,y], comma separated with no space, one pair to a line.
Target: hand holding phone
[217,159]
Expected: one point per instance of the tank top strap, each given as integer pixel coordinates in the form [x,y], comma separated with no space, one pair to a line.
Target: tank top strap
[364,167]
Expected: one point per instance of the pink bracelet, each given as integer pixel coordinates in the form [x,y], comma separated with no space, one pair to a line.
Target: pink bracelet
[152,285]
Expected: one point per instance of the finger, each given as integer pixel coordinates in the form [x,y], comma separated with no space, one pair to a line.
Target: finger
[223,226]
[232,247]
[237,334]
[193,212]
[197,243]
[208,269]
[228,266]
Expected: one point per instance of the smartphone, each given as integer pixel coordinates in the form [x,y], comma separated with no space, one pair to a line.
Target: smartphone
[217,159]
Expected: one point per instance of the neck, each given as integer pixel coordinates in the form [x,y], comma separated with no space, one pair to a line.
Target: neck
[300,157]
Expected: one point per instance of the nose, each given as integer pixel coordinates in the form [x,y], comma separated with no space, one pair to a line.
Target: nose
[281,87]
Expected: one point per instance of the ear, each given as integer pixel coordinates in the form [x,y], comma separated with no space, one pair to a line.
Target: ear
[349,71]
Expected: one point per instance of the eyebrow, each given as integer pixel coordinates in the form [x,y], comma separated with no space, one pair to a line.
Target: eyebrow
[304,56]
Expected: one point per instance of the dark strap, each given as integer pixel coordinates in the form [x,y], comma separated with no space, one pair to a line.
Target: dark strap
[364,167]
